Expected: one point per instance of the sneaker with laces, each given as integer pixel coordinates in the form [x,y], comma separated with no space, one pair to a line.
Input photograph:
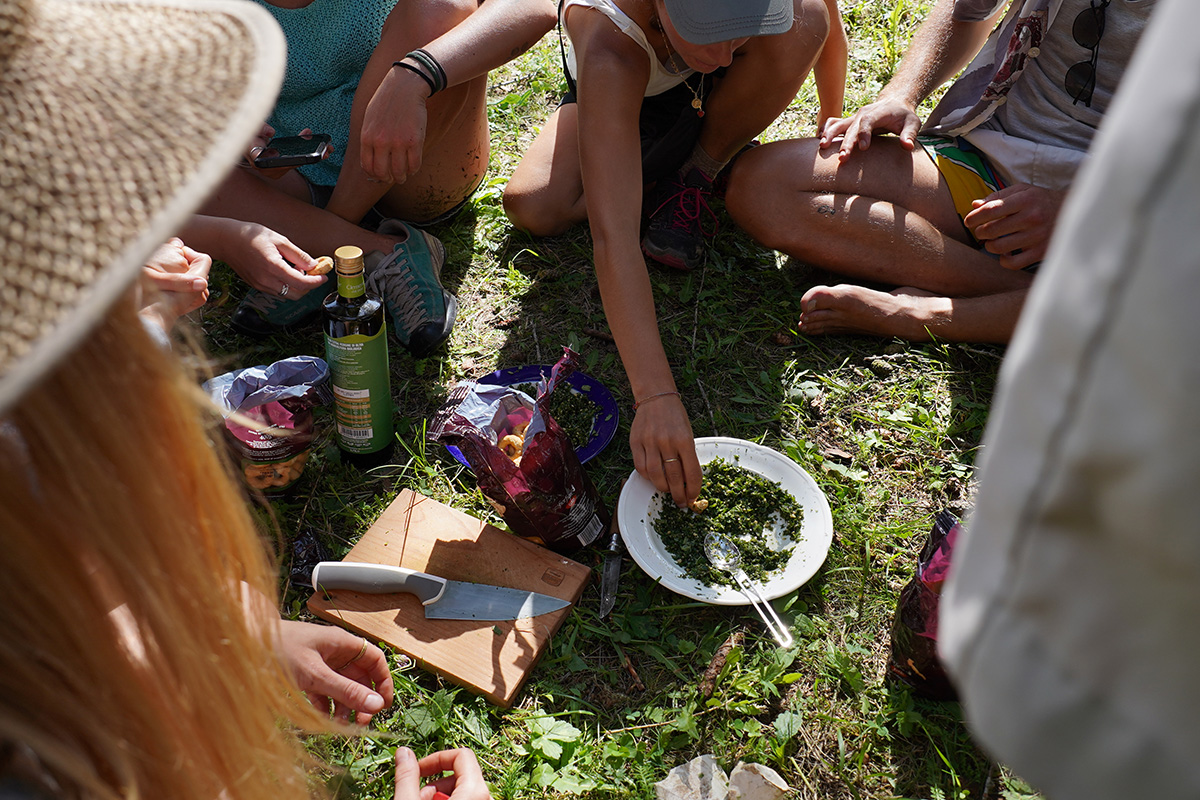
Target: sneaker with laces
[260,314]
[676,235]
[409,281]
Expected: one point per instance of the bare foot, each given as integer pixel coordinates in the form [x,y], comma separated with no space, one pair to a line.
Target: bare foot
[906,312]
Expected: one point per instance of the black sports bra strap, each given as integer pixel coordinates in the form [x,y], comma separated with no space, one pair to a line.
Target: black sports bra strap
[562,48]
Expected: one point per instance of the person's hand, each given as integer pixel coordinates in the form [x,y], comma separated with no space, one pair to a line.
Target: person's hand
[175,280]
[856,130]
[257,145]
[333,667]
[664,449]
[1016,222]
[265,134]
[393,129]
[268,261]
[465,781]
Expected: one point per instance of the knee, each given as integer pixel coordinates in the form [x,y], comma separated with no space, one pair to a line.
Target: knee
[756,182]
[532,214]
[812,20]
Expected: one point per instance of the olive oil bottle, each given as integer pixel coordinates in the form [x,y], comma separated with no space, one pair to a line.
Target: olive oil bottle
[356,349]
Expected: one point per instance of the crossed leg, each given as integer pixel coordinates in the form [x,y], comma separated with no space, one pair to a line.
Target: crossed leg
[454,159]
[545,194]
[884,216]
[455,155]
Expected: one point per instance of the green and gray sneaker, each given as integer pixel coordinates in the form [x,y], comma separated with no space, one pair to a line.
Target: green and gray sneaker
[260,314]
[408,279]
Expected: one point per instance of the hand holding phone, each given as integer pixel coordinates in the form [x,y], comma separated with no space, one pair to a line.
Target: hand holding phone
[293,151]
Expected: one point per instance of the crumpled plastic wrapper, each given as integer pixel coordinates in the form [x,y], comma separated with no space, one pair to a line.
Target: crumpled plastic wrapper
[268,414]
[540,487]
[914,659]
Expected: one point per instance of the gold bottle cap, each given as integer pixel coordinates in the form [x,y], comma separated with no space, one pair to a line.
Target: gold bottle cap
[349,259]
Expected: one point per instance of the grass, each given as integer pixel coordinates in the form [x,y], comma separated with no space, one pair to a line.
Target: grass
[889,430]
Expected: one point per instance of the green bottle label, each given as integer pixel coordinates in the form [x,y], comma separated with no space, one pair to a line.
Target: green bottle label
[351,286]
[361,390]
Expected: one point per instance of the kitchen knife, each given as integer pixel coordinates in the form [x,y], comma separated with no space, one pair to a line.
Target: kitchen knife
[442,598]
[610,573]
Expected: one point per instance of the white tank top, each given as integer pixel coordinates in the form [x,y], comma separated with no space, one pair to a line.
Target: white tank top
[661,78]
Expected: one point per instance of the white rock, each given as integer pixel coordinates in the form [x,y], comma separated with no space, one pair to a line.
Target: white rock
[699,779]
[756,782]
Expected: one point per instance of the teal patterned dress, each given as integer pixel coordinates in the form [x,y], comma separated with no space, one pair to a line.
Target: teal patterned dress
[328,45]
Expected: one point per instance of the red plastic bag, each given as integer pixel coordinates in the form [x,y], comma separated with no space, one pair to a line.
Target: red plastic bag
[914,659]
[544,495]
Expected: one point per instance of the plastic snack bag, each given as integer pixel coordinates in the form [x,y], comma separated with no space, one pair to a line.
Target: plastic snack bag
[914,659]
[523,460]
[269,419]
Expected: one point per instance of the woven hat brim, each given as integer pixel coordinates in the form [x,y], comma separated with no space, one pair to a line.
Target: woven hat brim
[117,119]
[711,21]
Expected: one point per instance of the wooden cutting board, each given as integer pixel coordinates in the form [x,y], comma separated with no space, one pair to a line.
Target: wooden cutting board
[489,658]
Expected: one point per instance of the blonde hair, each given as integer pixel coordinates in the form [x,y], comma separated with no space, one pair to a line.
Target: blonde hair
[113,496]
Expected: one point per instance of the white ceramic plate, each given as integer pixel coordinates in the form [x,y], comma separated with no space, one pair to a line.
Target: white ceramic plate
[639,505]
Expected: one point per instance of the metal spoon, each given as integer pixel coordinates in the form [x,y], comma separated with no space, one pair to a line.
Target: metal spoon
[724,554]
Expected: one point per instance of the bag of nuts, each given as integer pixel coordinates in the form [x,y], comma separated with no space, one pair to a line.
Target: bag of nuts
[524,462]
[269,419]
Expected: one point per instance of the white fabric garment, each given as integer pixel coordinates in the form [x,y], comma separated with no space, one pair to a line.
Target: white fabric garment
[661,78]
[1071,619]
[1039,138]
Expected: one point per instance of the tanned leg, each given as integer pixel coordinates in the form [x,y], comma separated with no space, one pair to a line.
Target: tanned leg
[887,216]
[910,313]
[545,194]
[276,204]
[456,134]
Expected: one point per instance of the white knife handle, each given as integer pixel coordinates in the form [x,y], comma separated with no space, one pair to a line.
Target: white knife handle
[377,579]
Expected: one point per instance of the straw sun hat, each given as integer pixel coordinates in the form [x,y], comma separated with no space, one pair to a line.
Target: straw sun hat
[117,119]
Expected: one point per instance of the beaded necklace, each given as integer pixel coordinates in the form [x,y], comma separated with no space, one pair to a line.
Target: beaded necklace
[698,90]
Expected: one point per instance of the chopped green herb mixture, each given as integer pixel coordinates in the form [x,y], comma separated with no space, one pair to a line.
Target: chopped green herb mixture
[573,412]
[742,505]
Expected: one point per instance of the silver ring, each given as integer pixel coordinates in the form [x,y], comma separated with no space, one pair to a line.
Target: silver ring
[669,460]
[284,290]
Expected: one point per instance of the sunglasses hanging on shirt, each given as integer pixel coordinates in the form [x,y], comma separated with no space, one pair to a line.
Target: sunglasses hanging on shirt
[1087,30]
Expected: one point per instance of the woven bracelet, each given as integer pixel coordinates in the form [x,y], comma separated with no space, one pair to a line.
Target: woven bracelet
[639,403]
[419,72]
[430,63]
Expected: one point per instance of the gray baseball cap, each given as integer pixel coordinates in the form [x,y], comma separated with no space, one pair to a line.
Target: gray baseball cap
[708,21]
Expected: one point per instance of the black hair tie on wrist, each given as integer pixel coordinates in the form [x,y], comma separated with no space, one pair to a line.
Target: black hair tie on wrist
[419,72]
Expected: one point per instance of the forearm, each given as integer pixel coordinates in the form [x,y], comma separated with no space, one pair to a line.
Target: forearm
[499,31]
[939,49]
[629,307]
[212,235]
[611,83]
[829,73]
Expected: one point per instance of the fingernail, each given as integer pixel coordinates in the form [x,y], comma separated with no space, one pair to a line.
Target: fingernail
[405,756]
[373,703]
[199,285]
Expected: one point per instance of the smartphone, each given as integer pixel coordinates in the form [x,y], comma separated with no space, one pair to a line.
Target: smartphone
[293,151]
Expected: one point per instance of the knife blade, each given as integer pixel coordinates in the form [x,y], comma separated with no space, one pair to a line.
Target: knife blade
[610,573]
[442,598]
